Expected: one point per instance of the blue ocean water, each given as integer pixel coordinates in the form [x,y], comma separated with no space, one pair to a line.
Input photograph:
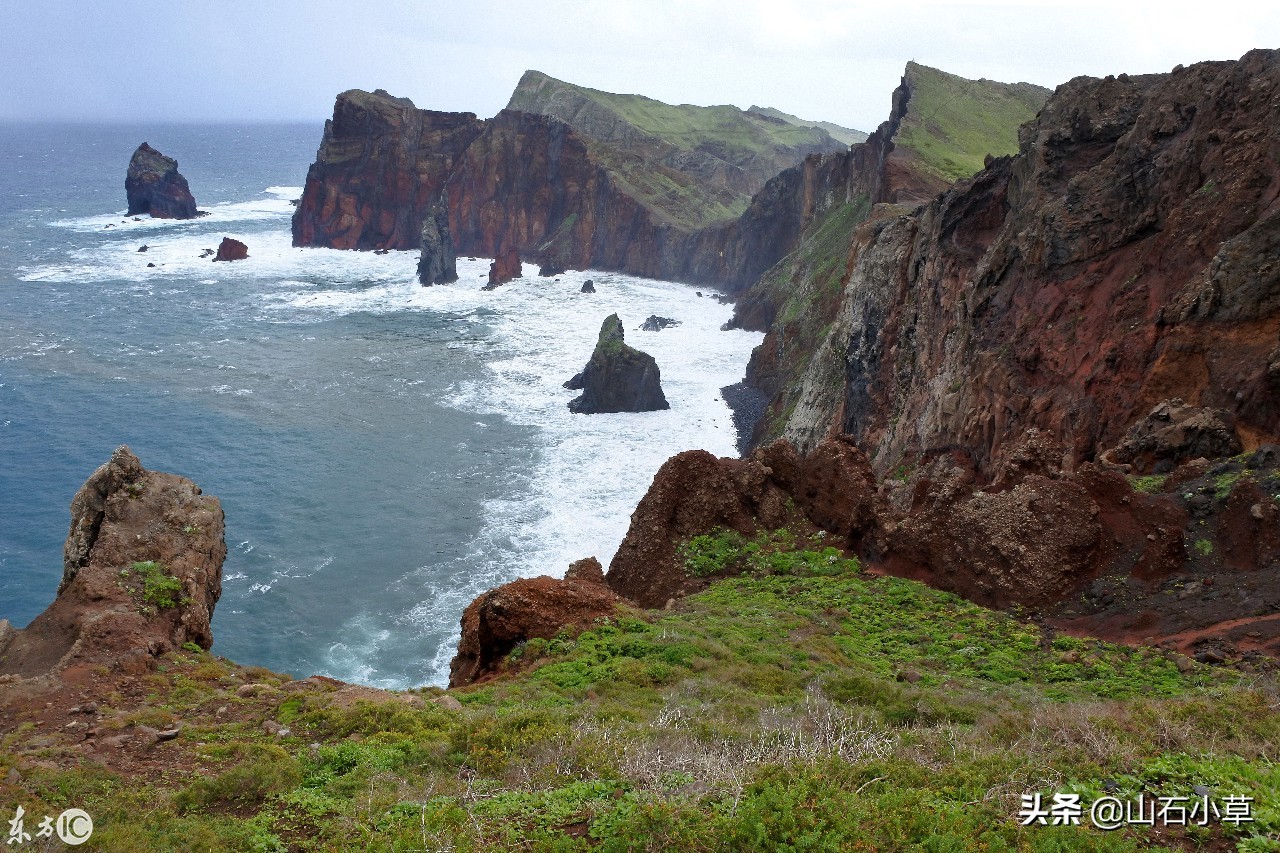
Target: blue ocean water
[384,452]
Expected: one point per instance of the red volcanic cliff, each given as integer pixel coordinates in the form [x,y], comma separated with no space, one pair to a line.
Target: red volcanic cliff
[1126,255]
[381,165]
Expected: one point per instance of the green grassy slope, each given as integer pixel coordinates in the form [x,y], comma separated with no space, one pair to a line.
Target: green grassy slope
[691,165]
[800,705]
[846,135]
[953,123]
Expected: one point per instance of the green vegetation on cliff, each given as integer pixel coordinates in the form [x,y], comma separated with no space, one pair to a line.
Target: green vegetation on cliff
[690,165]
[805,289]
[846,135]
[953,123]
[804,705]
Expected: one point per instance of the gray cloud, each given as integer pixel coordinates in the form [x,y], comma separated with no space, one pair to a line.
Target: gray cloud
[166,61]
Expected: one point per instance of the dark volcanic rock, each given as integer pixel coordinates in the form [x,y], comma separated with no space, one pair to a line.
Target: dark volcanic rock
[438,262]
[231,249]
[1173,433]
[499,620]
[588,286]
[619,378]
[654,323]
[154,186]
[124,515]
[505,268]
[551,268]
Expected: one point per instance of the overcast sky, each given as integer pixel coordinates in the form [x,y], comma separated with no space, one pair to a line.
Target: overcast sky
[183,60]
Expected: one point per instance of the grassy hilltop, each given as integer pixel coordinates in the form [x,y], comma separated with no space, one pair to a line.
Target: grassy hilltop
[799,705]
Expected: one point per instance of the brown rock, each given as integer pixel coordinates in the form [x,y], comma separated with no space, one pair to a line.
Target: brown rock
[154,186]
[231,249]
[122,516]
[505,268]
[1174,432]
[694,493]
[499,620]
[587,570]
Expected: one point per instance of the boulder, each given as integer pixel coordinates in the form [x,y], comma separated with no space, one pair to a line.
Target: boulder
[500,619]
[438,263]
[504,268]
[1174,432]
[142,571]
[231,249]
[154,186]
[619,378]
[588,286]
[656,324]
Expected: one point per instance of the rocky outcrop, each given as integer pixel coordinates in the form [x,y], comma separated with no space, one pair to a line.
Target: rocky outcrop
[438,262]
[381,166]
[694,493]
[618,378]
[505,267]
[654,323]
[570,187]
[142,572]
[501,619]
[231,249]
[154,186]
[1172,433]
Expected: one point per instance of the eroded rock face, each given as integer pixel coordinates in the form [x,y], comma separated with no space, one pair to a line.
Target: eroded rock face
[499,620]
[154,186]
[694,493]
[438,262]
[381,166]
[231,249]
[618,378]
[1119,260]
[110,610]
[505,267]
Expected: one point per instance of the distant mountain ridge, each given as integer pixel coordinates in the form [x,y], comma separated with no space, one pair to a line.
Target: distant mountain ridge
[846,135]
[573,177]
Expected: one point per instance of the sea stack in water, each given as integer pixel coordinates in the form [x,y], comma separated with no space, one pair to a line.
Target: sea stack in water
[504,268]
[619,378]
[154,186]
[438,263]
[231,249]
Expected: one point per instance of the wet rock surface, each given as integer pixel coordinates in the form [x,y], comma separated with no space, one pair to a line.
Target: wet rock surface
[618,378]
[231,249]
[154,186]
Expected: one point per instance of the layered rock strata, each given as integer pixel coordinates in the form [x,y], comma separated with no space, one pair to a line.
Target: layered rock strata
[154,186]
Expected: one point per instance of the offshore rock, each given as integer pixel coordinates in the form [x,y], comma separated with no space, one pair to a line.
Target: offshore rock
[654,323]
[231,249]
[103,614]
[500,619]
[154,186]
[619,378]
[588,286]
[505,267]
[438,262]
